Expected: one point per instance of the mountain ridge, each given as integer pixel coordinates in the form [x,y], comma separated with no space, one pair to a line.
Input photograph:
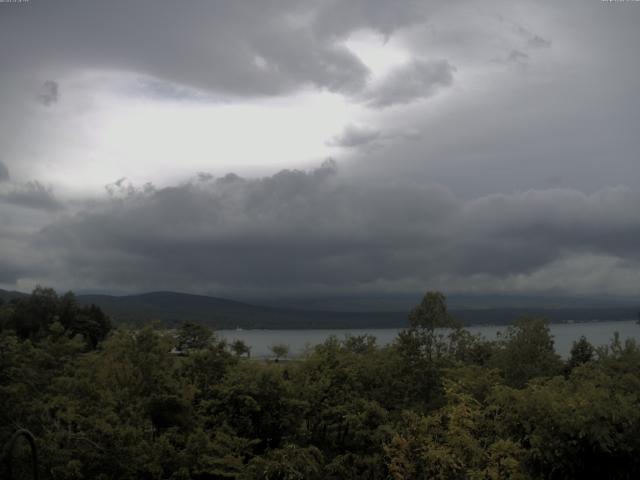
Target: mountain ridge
[171,308]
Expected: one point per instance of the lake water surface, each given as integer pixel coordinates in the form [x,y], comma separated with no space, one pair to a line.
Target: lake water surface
[598,333]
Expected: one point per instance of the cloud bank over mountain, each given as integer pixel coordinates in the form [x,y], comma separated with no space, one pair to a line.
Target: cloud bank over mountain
[319,232]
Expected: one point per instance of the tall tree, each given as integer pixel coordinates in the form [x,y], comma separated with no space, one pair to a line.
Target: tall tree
[239,347]
[193,336]
[526,351]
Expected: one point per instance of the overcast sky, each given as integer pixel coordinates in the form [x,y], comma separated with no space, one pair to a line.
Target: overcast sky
[249,148]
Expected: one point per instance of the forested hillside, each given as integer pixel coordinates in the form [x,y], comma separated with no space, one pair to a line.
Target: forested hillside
[173,308]
[116,404]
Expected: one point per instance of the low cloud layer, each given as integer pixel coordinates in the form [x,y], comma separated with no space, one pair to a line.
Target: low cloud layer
[316,231]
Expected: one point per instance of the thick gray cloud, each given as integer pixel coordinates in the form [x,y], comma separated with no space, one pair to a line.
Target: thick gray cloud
[338,18]
[31,195]
[317,231]
[245,48]
[49,93]
[516,56]
[562,118]
[293,228]
[4,172]
[10,273]
[521,176]
[415,80]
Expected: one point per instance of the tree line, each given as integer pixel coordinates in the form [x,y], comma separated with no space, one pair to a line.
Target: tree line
[439,402]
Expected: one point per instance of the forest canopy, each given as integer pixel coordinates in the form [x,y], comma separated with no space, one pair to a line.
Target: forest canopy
[105,402]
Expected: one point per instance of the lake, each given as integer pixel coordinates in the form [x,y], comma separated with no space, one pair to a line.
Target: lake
[598,333]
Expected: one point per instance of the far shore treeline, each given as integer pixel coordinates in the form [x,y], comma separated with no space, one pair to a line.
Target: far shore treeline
[104,401]
[173,308]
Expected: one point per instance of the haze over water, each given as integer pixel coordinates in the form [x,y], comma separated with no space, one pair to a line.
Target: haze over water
[598,333]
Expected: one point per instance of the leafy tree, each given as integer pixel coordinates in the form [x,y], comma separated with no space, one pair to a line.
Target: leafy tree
[205,369]
[166,411]
[291,462]
[193,336]
[360,343]
[92,323]
[280,350]
[431,313]
[454,442]
[470,349]
[32,315]
[578,427]
[240,348]
[428,325]
[526,352]
[255,401]
[425,348]
[581,352]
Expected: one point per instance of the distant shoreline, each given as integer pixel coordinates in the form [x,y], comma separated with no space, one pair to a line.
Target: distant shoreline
[567,322]
[170,309]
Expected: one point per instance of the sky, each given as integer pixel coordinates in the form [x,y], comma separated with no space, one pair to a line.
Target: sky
[259,148]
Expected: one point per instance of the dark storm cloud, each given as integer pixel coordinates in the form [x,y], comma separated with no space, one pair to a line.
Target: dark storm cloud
[569,119]
[564,117]
[49,93]
[337,18]
[261,47]
[8,273]
[415,80]
[514,233]
[290,228]
[32,195]
[298,230]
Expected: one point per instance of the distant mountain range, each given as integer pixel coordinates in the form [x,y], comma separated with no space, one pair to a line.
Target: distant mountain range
[172,308]
[404,302]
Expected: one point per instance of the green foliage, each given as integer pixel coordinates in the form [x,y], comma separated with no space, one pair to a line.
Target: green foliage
[581,352]
[240,348]
[581,427]
[438,403]
[256,403]
[431,313]
[280,350]
[290,462]
[31,317]
[526,352]
[193,336]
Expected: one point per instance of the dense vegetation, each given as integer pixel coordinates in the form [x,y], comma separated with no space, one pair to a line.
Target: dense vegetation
[438,403]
